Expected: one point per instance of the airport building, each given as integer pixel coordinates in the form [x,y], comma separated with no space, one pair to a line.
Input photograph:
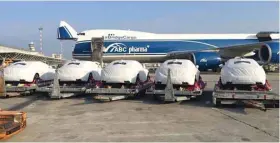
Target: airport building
[11,54]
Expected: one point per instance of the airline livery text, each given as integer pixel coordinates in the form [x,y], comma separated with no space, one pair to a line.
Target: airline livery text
[115,37]
[122,48]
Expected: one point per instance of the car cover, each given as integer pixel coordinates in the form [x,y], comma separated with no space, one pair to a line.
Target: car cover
[182,71]
[26,70]
[73,70]
[121,71]
[242,71]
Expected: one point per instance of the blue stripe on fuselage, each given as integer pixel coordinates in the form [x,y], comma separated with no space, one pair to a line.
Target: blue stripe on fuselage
[158,47]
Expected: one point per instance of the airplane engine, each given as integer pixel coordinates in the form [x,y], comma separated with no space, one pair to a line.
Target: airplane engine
[269,53]
[206,60]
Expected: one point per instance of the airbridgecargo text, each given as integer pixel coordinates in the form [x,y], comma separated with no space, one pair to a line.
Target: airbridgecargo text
[116,37]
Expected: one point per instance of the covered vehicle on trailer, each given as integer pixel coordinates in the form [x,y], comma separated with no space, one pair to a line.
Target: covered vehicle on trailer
[28,72]
[122,79]
[73,78]
[122,72]
[179,75]
[243,81]
[23,77]
[243,73]
[76,71]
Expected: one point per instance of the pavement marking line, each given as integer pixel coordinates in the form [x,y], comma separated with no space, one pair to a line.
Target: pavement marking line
[150,135]
[119,123]
[233,118]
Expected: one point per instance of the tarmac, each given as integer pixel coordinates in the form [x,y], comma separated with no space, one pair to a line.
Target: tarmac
[82,119]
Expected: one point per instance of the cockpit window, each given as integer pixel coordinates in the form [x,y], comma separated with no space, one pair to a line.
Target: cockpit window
[119,63]
[237,62]
[23,64]
[74,64]
[178,63]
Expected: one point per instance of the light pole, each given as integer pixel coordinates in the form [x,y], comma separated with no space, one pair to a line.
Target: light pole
[41,39]
[61,49]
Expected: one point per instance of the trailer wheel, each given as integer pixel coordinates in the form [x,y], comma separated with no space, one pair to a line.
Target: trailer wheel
[155,97]
[32,91]
[137,79]
[36,78]
[90,78]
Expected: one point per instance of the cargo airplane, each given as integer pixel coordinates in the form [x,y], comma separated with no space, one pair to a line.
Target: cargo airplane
[208,51]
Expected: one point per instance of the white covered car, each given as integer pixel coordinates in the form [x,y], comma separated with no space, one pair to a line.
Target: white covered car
[182,71]
[124,71]
[28,71]
[76,70]
[242,71]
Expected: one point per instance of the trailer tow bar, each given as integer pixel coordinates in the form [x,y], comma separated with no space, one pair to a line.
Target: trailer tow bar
[169,90]
[56,88]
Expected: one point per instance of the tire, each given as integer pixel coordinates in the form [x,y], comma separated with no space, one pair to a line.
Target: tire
[36,78]
[90,78]
[217,70]
[137,79]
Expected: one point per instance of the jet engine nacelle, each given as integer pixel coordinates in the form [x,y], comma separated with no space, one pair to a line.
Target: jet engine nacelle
[206,60]
[269,53]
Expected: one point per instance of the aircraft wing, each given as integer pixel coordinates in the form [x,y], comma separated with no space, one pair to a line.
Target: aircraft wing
[224,52]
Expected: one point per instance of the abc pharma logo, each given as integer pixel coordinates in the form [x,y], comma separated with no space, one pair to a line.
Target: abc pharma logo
[116,47]
[122,48]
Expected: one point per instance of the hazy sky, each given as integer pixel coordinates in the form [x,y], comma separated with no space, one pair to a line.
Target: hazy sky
[20,20]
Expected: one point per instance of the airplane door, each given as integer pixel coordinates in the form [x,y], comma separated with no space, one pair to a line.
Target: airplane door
[97,45]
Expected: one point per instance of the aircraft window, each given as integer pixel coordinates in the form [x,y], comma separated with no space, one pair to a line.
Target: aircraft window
[119,63]
[20,64]
[74,64]
[178,63]
[237,62]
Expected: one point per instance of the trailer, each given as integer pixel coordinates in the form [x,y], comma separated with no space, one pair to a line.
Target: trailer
[256,99]
[18,88]
[100,91]
[107,93]
[243,81]
[56,91]
[169,94]
[10,90]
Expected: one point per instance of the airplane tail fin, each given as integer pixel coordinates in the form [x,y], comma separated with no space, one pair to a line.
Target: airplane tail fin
[66,32]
